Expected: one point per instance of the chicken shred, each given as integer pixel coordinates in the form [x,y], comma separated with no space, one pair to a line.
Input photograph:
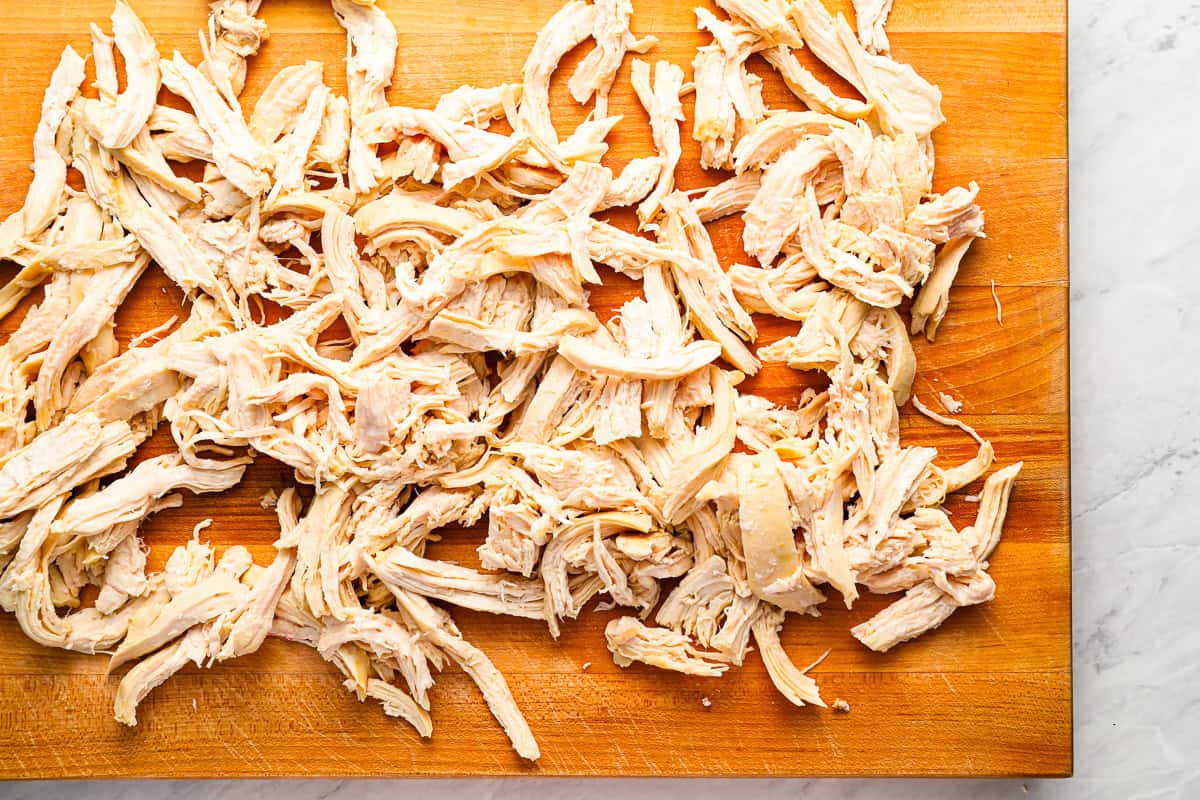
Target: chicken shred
[436,362]
[871,18]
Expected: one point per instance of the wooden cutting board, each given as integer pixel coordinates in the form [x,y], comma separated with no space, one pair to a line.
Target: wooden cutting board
[987,694]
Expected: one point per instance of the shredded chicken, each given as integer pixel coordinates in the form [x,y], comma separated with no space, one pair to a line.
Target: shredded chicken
[435,362]
[871,18]
[951,404]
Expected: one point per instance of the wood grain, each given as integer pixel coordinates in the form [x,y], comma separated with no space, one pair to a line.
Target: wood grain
[989,693]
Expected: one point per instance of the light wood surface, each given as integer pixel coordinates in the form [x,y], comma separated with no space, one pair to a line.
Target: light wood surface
[987,694]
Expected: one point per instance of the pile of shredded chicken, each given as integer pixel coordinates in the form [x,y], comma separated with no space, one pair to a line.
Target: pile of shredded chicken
[476,385]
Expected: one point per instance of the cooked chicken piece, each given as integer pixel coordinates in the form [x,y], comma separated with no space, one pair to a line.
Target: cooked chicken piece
[476,106]
[952,215]
[767,18]
[187,569]
[761,423]
[115,120]
[516,531]
[833,322]
[772,558]
[80,237]
[949,422]
[950,403]
[636,181]
[715,124]
[882,341]
[370,62]
[378,518]
[332,145]
[660,98]
[105,291]
[728,96]
[930,603]
[587,479]
[629,640]
[398,704]
[558,389]
[598,69]
[777,210]
[894,482]
[78,449]
[706,607]
[392,217]
[189,263]
[810,90]
[246,628]
[792,683]
[624,252]
[22,350]
[933,299]
[130,497]
[561,601]
[777,134]
[658,397]
[621,400]
[705,287]
[291,151]
[317,581]
[572,200]
[354,660]
[283,100]
[819,30]
[445,278]
[788,290]
[442,633]
[587,356]
[471,335]
[969,471]
[460,586]
[204,601]
[701,458]
[562,33]
[870,16]
[474,150]
[902,100]
[842,268]
[385,638]
[11,533]
[984,535]
[494,157]
[44,199]
[241,158]
[27,590]
[895,252]
[923,608]
[106,83]
[178,135]
[154,670]
[587,144]
[728,197]
[234,34]
[140,379]
[149,169]
[944,553]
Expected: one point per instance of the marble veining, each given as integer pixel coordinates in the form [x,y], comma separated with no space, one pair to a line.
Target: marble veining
[1135,343]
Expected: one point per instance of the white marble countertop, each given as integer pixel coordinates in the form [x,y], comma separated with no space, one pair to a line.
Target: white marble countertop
[1135,244]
